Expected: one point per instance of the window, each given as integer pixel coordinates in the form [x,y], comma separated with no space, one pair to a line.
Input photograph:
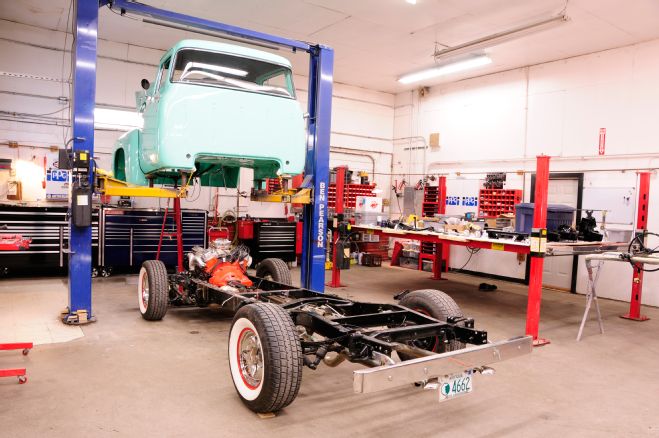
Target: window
[164,74]
[279,79]
[232,71]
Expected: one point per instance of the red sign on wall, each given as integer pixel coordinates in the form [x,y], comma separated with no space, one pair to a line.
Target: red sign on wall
[602,141]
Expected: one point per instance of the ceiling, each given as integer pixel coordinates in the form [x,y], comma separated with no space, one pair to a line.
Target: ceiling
[376,41]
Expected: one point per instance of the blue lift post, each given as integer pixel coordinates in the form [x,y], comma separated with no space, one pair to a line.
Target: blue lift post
[321,64]
[84,100]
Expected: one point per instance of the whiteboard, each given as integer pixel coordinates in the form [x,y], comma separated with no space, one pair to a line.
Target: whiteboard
[460,188]
[620,201]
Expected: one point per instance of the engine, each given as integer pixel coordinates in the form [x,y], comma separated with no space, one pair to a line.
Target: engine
[222,264]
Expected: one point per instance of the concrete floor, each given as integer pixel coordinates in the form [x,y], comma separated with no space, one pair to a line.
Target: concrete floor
[129,377]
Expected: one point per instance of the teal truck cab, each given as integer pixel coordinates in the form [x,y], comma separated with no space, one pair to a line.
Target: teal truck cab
[212,109]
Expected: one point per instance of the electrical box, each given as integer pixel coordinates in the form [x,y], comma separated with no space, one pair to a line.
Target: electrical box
[412,201]
[433,141]
[63,161]
[81,190]
[14,190]
[81,206]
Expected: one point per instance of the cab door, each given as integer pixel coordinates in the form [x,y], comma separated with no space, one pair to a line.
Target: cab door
[149,143]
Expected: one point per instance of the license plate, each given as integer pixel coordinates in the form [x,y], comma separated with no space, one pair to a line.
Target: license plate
[455,385]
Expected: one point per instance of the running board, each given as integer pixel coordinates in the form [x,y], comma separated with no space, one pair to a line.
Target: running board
[439,365]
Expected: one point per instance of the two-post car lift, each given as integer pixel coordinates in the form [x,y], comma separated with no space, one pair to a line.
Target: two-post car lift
[427,331]
[321,62]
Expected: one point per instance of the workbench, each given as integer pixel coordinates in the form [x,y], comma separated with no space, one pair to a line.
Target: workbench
[507,245]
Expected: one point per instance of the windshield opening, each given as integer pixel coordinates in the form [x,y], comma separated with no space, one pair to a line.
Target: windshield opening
[232,71]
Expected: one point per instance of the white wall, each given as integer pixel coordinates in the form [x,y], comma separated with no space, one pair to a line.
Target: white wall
[500,122]
[362,119]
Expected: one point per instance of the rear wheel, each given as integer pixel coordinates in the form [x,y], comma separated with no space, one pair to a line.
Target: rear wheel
[438,305]
[153,290]
[265,357]
[274,270]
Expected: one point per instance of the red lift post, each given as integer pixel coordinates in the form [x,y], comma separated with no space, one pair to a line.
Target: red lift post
[440,250]
[338,209]
[641,227]
[178,233]
[537,257]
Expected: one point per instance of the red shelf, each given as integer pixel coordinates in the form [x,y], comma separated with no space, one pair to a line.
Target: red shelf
[494,202]
[350,193]
[433,200]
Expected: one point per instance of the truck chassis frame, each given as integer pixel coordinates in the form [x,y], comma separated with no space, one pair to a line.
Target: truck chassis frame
[331,329]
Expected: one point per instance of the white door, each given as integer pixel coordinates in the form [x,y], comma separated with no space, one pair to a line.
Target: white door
[557,272]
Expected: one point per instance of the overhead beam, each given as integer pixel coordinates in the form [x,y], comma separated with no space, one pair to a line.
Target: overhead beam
[169,18]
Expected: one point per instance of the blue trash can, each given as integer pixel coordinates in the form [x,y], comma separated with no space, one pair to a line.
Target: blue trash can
[557,214]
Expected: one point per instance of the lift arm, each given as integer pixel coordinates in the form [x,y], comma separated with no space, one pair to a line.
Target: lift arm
[109,186]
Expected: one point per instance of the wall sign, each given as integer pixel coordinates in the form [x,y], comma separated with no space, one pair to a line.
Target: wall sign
[452,200]
[57,185]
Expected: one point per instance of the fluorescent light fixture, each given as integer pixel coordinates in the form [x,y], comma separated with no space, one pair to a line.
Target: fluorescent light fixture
[446,69]
[412,2]
[106,118]
[502,37]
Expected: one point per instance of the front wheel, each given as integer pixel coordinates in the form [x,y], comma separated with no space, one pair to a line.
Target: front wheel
[153,290]
[265,357]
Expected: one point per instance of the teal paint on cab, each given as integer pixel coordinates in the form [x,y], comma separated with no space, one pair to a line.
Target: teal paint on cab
[213,128]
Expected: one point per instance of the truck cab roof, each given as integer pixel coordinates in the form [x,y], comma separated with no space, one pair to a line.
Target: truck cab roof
[231,49]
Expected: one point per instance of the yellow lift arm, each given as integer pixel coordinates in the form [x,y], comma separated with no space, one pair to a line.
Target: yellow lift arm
[295,196]
[107,185]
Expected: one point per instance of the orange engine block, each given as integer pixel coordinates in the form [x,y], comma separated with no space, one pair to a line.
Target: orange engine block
[224,272]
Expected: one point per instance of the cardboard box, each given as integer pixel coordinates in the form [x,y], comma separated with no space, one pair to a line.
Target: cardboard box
[458,228]
[57,185]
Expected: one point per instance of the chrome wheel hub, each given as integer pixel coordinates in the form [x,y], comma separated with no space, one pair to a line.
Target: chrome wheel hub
[145,291]
[250,358]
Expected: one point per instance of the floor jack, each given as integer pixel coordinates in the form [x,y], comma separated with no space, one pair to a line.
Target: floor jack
[18,372]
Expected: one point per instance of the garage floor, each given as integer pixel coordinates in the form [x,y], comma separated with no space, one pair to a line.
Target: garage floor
[129,377]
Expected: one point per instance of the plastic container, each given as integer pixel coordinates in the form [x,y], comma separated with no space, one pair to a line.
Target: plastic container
[618,235]
[557,214]
[367,217]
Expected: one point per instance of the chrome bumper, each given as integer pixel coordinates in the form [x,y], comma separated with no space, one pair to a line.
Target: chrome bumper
[422,369]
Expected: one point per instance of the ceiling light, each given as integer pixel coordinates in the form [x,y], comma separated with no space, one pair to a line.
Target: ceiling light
[445,69]
[502,37]
[412,2]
